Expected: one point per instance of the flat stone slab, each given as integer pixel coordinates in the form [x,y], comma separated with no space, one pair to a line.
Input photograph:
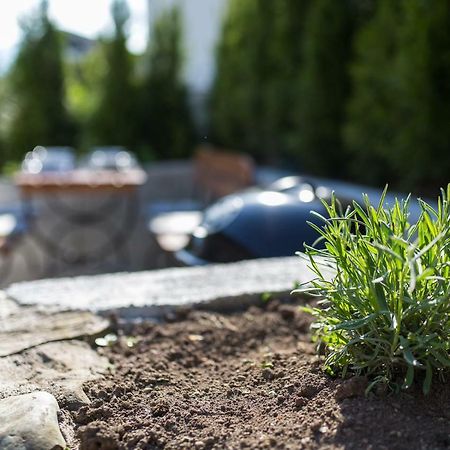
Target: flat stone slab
[60,368]
[7,307]
[22,328]
[150,293]
[29,422]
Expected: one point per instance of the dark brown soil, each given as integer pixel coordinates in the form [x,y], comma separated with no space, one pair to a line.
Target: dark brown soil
[246,381]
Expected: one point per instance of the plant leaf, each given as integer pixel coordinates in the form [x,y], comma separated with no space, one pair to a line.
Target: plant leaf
[428,377]
[409,378]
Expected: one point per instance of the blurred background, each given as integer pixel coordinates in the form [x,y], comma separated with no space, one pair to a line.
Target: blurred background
[351,90]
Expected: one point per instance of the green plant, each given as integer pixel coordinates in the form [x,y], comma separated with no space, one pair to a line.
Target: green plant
[167,127]
[323,93]
[385,312]
[37,114]
[258,58]
[114,116]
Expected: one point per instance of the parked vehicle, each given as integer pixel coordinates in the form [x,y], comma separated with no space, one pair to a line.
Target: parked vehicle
[49,159]
[109,158]
[270,222]
[262,224]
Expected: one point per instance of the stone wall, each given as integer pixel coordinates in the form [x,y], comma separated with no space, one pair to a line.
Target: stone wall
[56,246]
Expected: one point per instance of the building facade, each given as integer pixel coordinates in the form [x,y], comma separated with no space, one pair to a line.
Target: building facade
[202,21]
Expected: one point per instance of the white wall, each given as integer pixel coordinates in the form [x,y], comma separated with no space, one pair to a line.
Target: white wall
[202,24]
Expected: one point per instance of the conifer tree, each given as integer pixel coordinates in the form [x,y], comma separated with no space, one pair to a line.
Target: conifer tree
[400,109]
[114,119]
[281,92]
[3,153]
[422,137]
[373,118]
[37,85]
[240,71]
[84,79]
[324,85]
[258,57]
[167,124]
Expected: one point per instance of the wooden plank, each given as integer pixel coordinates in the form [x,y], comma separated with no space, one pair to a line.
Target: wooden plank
[219,172]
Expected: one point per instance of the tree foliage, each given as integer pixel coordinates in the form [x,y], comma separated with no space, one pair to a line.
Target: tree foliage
[281,93]
[258,57]
[233,115]
[3,122]
[39,116]
[113,121]
[351,88]
[84,78]
[399,112]
[324,86]
[423,70]
[372,108]
[166,122]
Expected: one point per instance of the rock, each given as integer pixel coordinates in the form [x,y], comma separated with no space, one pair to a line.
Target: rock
[7,306]
[267,374]
[300,401]
[29,422]
[24,328]
[352,387]
[157,292]
[57,367]
[287,312]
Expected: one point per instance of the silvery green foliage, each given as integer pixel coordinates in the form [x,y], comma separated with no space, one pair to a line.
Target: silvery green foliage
[386,312]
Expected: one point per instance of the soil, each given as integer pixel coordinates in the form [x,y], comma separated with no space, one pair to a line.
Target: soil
[246,381]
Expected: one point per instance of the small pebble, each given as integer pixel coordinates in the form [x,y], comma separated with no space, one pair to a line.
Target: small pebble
[290,388]
[300,401]
[267,374]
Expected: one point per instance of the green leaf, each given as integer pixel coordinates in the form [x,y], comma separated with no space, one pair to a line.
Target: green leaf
[428,377]
[409,378]
[444,361]
[387,308]
[407,354]
[354,324]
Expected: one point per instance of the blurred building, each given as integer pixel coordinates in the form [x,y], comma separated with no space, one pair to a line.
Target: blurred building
[202,23]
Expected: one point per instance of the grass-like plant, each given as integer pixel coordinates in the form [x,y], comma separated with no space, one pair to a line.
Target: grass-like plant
[386,311]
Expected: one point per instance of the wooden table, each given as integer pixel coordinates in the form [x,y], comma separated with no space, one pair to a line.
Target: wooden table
[108,185]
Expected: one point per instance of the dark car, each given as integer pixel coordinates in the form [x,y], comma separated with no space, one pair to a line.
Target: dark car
[262,224]
[272,222]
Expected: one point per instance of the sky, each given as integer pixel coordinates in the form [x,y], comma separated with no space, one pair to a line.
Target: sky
[91,18]
[85,17]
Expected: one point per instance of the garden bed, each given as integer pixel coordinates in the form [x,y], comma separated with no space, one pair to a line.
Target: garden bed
[250,380]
